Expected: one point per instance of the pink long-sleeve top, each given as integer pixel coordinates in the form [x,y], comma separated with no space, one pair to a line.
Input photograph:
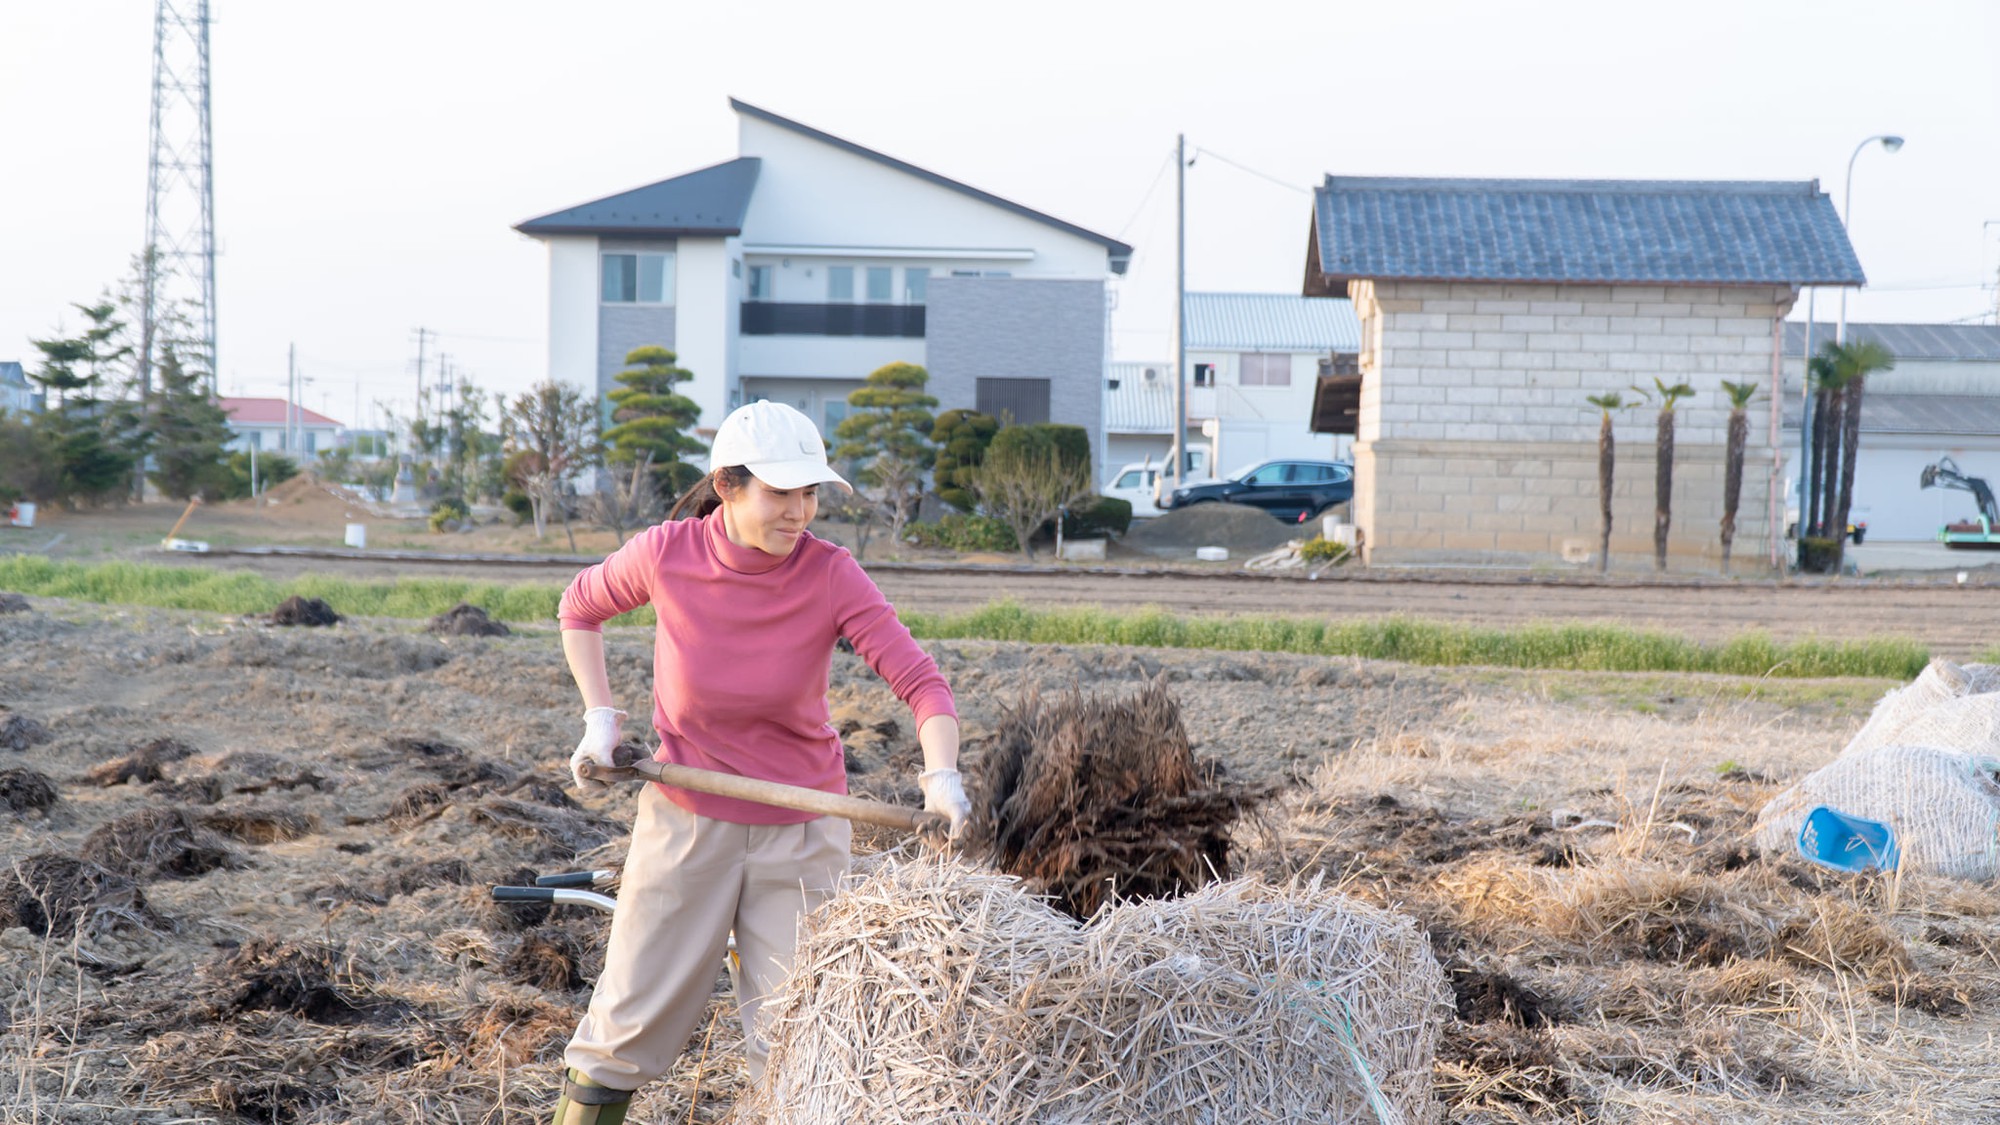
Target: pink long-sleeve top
[742,651]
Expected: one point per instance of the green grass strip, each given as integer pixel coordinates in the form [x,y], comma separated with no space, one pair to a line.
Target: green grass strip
[1586,648]
[240,592]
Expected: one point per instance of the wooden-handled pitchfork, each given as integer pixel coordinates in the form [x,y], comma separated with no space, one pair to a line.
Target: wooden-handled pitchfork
[930,825]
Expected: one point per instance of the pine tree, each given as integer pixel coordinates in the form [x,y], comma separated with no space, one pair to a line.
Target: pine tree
[962,437]
[889,434]
[190,433]
[653,419]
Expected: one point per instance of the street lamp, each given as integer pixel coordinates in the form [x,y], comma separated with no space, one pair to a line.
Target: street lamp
[1891,143]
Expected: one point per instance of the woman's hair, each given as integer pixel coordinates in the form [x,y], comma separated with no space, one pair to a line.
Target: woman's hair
[704,497]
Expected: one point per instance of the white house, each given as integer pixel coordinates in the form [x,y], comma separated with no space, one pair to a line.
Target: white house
[270,425]
[1254,364]
[794,270]
[1942,399]
[17,396]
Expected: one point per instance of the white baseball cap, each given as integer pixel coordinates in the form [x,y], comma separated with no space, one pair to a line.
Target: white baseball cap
[779,445]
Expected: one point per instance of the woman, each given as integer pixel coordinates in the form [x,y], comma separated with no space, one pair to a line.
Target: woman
[749,606]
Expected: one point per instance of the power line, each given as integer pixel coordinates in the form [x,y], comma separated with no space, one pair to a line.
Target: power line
[1199,151]
[1165,161]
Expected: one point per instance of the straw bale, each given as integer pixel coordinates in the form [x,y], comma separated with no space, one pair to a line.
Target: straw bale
[1088,797]
[936,992]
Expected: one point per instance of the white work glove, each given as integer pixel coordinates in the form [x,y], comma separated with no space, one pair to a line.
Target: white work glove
[944,794]
[600,741]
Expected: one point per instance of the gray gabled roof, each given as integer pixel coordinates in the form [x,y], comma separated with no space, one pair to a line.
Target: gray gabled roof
[1578,232]
[707,201]
[1121,253]
[1957,415]
[1272,322]
[12,374]
[1971,342]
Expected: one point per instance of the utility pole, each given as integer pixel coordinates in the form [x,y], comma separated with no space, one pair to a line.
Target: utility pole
[291,400]
[422,334]
[1180,453]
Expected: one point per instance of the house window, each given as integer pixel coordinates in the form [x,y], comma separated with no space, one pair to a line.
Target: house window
[1204,374]
[760,283]
[1255,370]
[1020,402]
[256,439]
[916,285]
[880,282]
[840,283]
[643,279]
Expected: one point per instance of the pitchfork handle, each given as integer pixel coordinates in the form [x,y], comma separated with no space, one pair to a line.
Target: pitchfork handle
[858,809]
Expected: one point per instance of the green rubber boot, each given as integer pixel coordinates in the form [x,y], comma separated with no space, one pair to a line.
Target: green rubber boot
[584,1102]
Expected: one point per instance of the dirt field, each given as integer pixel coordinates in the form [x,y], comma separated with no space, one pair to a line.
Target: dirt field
[287,918]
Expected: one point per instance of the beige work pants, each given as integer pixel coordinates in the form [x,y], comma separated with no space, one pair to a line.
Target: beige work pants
[687,881]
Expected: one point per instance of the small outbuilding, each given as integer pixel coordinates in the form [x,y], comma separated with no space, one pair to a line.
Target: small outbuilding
[1492,310]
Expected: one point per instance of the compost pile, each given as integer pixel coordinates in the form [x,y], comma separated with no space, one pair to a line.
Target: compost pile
[1091,798]
[297,610]
[929,991]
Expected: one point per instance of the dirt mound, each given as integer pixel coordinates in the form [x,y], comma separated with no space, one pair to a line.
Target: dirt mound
[19,732]
[21,790]
[57,896]
[13,603]
[1236,526]
[261,826]
[157,843]
[304,978]
[141,763]
[464,620]
[1085,796]
[296,610]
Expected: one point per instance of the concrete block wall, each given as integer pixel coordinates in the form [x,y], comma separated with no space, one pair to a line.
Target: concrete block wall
[1476,435]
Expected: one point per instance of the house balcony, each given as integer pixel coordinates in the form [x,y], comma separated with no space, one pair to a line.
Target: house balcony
[786,318]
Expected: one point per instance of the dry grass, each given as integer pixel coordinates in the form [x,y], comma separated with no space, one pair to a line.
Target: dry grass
[1601,865]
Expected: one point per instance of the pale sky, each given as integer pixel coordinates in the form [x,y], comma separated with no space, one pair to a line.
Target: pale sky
[371,158]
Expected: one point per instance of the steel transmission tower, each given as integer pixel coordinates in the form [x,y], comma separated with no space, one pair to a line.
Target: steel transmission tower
[179,261]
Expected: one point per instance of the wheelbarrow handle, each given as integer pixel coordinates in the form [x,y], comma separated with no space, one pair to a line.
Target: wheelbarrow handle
[858,809]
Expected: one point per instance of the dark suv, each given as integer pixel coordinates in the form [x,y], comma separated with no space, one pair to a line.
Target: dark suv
[1293,491]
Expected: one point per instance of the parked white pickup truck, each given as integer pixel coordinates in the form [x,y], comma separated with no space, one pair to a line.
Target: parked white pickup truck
[1139,482]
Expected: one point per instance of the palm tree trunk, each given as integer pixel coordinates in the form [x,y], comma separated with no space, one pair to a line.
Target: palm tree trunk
[1663,486]
[1809,490]
[1836,402]
[1606,452]
[1732,479]
[1850,447]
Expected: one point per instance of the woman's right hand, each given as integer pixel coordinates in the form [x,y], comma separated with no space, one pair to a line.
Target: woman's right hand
[599,744]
